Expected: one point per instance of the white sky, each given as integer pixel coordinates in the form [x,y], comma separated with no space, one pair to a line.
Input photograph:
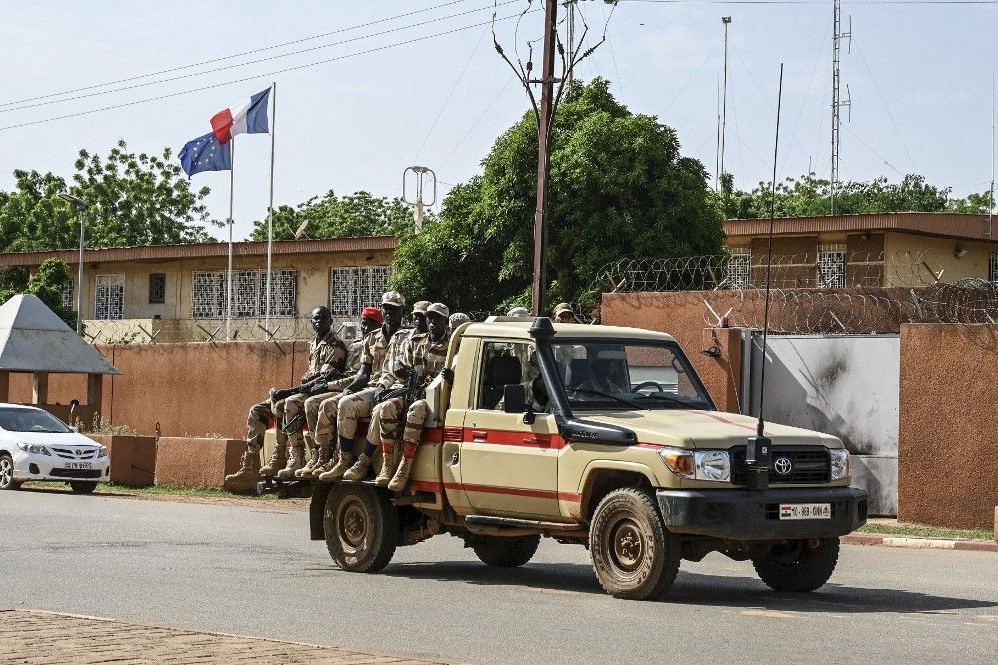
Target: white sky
[920,78]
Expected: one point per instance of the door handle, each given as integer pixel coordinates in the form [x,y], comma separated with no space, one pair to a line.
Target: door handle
[479,435]
[543,440]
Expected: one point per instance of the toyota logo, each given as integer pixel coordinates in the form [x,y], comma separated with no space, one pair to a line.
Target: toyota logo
[79,452]
[783,466]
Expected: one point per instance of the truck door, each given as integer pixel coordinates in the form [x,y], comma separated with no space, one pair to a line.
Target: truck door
[508,468]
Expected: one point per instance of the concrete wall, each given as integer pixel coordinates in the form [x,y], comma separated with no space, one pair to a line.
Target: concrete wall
[901,249]
[948,437]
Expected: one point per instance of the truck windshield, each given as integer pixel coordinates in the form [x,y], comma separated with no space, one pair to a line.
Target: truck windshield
[599,374]
[30,420]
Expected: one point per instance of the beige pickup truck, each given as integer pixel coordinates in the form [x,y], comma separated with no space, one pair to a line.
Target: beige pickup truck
[606,437]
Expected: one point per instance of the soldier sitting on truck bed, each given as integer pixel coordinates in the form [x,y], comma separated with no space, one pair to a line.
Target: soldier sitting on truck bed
[339,416]
[327,353]
[426,356]
[370,320]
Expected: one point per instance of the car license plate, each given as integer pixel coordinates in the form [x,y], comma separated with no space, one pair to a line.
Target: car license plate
[805,511]
[79,465]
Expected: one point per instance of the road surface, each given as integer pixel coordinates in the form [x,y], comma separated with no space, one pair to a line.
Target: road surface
[251,570]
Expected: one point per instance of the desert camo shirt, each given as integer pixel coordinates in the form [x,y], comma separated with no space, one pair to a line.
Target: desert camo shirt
[326,354]
[426,357]
[382,354]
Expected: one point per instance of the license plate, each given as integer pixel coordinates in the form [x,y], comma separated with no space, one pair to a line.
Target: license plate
[805,511]
[79,465]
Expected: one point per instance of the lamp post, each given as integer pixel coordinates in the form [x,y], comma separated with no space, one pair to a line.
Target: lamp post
[81,206]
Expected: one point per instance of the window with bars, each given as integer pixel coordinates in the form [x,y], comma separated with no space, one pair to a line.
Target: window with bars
[69,294]
[740,268]
[993,269]
[109,300]
[249,294]
[354,288]
[157,288]
[831,266]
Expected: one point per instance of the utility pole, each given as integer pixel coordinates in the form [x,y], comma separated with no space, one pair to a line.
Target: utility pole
[419,204]
[726,20]
[570,5]
[539,290]
[837,103]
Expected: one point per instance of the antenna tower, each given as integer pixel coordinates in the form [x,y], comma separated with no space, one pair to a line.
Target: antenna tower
[837,103]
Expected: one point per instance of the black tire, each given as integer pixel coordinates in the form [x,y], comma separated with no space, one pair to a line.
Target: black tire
[500,552]
[82,486]
[7,481]
[361,527]
[635,557]
[796,566]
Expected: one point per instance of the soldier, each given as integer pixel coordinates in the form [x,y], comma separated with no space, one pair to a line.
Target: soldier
[382,349]
[326,353]
[370,320]
[563,314]
[457,319]
[419,318]
[518,312]
[426,357]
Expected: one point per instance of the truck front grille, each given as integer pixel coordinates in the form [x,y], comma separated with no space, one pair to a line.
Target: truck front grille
[808,464]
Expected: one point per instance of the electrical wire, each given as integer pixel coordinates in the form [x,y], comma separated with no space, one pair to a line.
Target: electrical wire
[886,108]
[257,76]
[807,93]
[815,2]
[481,115]
[242,64]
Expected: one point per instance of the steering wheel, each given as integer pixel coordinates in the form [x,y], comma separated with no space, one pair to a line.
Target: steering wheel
[648,384]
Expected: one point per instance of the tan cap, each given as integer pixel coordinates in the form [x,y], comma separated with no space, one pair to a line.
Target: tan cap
[561,308]
[393,298]
[438,308]
[420,307]
[518,311]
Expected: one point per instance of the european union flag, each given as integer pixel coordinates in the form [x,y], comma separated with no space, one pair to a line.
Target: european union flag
[205,153]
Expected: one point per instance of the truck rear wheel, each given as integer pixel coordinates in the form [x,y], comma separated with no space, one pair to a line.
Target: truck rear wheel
[634,555]
[361,528]
[797,566]
[501,552]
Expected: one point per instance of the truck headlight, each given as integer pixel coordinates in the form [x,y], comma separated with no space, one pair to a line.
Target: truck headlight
[840,463]
[102,452]
[712,465]
[34,449]
[679,461]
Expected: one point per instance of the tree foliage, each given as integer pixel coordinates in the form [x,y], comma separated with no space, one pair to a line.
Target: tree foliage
[330,216]
[619,188]
[133,200]
[47,283]
[809,196]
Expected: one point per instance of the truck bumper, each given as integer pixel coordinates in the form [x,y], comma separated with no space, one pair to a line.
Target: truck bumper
[744,515]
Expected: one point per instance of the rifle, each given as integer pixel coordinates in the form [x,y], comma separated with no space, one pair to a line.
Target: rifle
[316,386]
[408,394]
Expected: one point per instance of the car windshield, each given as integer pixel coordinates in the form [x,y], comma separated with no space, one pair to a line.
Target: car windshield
[622,374]
[30,420]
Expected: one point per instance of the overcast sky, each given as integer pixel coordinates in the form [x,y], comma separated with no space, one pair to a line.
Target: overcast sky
[920,78]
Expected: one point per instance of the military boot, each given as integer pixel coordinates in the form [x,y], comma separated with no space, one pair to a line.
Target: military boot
[277,461]
[313,461]
[327,460]
[245,479]
[296,460]
[344,462]
[358,470]
[387,467]
[401,476]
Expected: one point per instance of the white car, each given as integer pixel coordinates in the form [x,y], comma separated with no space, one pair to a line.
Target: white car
[35,445]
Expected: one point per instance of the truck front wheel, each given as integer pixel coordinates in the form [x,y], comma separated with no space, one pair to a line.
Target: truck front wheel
[506,552]
[797,566]
[634,555]
[361,527]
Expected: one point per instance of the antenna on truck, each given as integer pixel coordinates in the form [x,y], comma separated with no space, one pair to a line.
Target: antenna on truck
[757,454]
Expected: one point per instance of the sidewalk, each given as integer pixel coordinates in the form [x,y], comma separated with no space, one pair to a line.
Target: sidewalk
[45,638]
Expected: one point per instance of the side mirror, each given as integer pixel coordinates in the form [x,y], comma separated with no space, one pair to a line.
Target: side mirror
[514,398]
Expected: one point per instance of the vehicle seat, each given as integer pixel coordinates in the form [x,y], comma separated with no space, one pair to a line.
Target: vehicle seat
[579,373]
[500,372]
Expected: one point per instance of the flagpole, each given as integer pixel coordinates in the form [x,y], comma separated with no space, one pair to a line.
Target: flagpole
[270,212]
[232,180]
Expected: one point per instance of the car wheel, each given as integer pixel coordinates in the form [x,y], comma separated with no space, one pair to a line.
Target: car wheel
[361,527]
[501,552]
[82,486]
[634,555]
[7,481]
[797,566]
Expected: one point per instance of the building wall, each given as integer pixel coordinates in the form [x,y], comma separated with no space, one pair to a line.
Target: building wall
[795,258]
[906,251]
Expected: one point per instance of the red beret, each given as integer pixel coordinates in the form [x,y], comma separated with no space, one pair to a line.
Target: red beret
[373,313]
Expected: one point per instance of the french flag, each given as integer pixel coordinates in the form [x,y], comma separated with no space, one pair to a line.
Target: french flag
[248,117]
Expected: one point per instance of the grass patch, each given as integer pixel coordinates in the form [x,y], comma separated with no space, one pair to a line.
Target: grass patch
[916,531]
[113,488]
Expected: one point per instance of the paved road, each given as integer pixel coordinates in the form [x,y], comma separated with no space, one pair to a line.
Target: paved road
[252,571]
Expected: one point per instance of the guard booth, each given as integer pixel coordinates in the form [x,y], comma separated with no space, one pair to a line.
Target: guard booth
[34,340]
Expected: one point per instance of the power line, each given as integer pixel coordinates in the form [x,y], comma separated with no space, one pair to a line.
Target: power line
[259,76]
[245,64]
[477,120]
[232,56]
[886,108]
[815,2]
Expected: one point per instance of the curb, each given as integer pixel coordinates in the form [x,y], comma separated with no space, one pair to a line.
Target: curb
[919,543]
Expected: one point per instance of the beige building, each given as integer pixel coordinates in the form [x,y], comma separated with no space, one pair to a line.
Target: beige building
[893,249]
[179,292]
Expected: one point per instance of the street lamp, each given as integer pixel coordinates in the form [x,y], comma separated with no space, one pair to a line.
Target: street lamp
[81,206]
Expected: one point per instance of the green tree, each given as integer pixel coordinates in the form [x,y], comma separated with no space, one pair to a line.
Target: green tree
[134,199]
[330,216]
[48,283]
[619,188]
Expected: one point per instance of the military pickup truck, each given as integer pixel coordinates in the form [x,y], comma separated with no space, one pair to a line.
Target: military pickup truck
[606,437]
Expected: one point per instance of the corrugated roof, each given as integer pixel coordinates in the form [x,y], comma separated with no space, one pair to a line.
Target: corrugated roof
[197,251]
[945,225]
